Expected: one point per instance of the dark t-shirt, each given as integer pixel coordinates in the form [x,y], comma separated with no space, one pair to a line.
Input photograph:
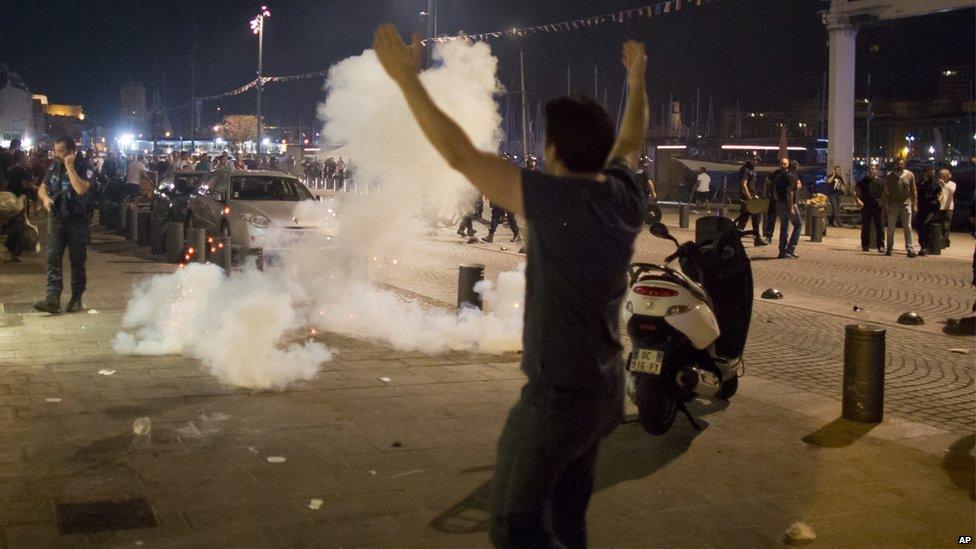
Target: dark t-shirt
[869,190]
[782,186]
[580,244]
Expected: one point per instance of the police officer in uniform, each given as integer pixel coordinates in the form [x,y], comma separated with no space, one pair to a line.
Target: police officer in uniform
[64,193]
[748,191]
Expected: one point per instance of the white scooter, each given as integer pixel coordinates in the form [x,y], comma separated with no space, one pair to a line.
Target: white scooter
[689,326]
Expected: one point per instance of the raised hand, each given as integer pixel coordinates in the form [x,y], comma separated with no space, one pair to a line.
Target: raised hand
[398,59]
[634,60]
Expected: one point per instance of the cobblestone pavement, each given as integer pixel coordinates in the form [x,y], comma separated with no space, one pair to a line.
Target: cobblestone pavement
[406,463]
[800,340]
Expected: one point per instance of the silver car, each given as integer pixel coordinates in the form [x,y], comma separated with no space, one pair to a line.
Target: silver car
[261,209]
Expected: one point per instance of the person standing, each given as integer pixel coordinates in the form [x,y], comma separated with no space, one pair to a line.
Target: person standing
[769,224]
[836,189]
[18,182]
[900,200]
[135,174]
[586,211]
[947,203]
[929,200]
[203,163]
[785,193]
[748,191]
[64,194]
[703,186]
[868,195]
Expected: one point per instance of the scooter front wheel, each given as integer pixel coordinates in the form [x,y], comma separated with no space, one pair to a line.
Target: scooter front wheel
[656,409]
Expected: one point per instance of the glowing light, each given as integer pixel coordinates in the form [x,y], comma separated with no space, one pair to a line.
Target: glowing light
[266,141]
[190,250]
[759,148]
[227,210]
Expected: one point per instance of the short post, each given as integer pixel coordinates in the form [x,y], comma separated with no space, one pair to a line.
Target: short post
[132,224]
[174,241]
[720,212]
[811,212]
[934,244]
[864,365]
[683,215]
[123,218]
[816,228]
[224,255]
[143,227]
[469,274]
[197,240]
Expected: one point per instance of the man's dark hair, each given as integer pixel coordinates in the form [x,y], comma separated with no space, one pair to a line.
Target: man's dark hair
[15,143]
[794,166]
[582,132]
[68,142]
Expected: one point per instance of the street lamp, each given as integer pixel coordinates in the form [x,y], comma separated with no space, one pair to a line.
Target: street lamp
[257,27]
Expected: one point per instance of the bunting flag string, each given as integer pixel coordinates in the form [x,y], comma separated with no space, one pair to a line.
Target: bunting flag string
[641,12]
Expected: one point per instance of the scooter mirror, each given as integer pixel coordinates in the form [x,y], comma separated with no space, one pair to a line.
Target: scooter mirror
[660,230]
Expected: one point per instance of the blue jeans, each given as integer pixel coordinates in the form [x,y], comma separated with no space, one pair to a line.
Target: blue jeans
[70,233]
[788,214]
[546,466]
[835,207]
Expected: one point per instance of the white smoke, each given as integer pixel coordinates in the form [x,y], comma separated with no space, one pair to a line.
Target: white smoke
[367,114]
[235,325]
[239,326]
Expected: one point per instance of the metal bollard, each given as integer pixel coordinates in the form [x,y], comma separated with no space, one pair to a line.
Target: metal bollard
[816,229]
[132,224]
[934,244]
[197,240]
[143,227]
[809,214]
[469,274]
[174,242]
[864,365]
[123,218]
[683,215]
[224,254]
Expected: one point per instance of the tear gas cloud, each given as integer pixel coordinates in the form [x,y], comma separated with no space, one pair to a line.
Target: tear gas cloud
[243,328]
[366,114]
[236,326]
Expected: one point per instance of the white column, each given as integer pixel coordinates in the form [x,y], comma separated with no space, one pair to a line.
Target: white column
[840,108]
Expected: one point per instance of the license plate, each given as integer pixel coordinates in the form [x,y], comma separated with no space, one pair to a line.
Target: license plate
[646,361]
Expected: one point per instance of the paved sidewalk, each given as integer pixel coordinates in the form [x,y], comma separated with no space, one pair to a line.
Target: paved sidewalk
[406,463]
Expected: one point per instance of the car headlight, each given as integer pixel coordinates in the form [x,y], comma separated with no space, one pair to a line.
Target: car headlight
[258,220]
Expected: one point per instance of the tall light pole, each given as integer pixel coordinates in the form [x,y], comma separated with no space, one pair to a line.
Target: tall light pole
[257,27]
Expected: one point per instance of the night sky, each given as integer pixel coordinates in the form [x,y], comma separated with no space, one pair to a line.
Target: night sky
[761,52]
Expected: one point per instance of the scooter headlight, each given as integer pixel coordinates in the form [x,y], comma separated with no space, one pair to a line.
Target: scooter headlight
[677,310]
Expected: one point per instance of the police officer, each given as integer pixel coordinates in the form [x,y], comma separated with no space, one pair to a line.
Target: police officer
[64,194]
[748,191]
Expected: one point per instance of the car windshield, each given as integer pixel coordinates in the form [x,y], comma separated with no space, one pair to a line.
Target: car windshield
[265,187]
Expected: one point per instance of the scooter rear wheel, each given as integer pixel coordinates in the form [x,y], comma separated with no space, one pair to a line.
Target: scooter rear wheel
[656,409]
